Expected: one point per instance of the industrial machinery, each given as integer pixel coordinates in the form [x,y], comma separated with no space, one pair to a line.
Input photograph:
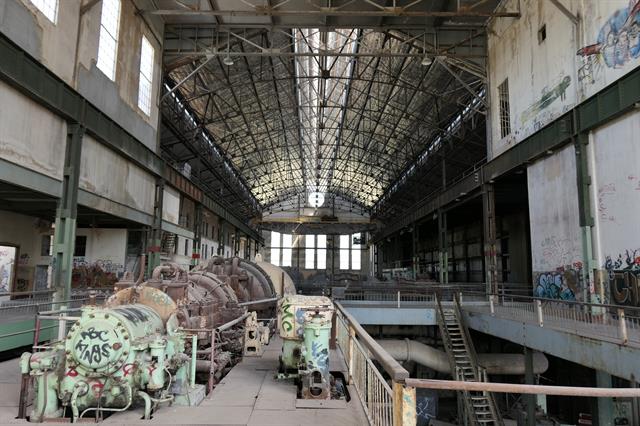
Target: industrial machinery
[304,324]
[155,341]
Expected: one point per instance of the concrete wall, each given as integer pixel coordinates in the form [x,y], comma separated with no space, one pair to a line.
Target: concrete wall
[171,205]
[30,136]
[556,241]
[109,175]
[615,175]
[547,78]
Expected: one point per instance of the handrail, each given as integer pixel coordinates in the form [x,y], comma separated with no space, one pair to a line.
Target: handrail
[392,367]
[544,299]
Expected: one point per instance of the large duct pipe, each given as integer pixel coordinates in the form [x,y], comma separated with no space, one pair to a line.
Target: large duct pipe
[507,364]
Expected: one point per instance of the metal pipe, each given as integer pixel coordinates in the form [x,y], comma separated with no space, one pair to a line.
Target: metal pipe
[507,364]
[194,353]
[255,302]
[234,322]
[523,389]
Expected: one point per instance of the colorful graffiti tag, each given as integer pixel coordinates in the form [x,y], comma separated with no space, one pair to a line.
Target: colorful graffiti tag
[561,284]
[623,273]
[618,41]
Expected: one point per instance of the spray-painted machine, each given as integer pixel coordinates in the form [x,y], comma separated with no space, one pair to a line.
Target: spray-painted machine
[152,342]
[304,324]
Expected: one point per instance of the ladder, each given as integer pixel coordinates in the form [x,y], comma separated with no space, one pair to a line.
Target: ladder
[479,408]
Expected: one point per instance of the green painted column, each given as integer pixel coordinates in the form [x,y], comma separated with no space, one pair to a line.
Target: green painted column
[605,405]
[490,238]
[154,242]
[67,213]
[197,235]
[583,182]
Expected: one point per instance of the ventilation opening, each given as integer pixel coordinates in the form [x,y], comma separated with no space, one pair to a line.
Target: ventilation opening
[542,34]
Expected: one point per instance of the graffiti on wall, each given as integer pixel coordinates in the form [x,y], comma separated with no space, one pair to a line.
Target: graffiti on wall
[623,272]
[547,97]
[617,43]
[562,283]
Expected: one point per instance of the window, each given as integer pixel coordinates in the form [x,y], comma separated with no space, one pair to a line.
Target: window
[275,248]
[351,251]
[344,252]
[321,252]
[309,251]
[505,119]
[49,8]
[46,245]
[146,76]
[80,249]
[356,252]
[315,252]
[542,34]
[287,244]
[186,247]
[108,42]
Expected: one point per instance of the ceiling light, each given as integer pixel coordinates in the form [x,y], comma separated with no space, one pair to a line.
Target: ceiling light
[426,61]
[227,61]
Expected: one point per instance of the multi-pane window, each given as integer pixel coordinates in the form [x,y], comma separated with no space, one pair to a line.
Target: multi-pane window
[350,252]
[281,248]
[309,251]
[321,252]
[49,8]
[275,248]
[146,76]
[315,252]
[287,244]
[505,117]
[108,43]
[344,252]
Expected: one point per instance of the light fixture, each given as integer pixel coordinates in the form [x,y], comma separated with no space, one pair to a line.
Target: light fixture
[227,59]
[426,61]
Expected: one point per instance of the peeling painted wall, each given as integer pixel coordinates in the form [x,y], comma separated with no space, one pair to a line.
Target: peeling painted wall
[556,242]
[107,174]
[37,147]
[547,78]
[615,174]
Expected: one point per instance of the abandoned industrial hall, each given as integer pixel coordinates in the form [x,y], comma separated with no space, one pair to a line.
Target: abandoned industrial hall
[320,212]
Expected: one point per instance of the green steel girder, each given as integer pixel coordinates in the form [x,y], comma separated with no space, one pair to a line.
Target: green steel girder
[606,105]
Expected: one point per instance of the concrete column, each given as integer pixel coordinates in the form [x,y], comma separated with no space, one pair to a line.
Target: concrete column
[605,405]
[155,235]
[67,213]
[530,400]
[443,247]
[490,238]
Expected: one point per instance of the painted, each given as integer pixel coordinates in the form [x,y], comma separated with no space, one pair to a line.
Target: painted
[556,246]
[618,41]
[548,77]
[616,193]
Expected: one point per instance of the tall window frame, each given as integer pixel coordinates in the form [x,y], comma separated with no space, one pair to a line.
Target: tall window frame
[281,249]
[108,41]
[49,9]
[145,80]
[350,252]
[504,108]
[315,251]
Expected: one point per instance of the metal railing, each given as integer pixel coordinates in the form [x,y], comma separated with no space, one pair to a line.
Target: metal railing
[614,323]
[383,404]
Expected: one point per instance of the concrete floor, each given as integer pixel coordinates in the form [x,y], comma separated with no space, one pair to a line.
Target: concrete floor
[248,395]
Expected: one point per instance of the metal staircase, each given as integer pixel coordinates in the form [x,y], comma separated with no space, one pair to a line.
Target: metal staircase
[476,408]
